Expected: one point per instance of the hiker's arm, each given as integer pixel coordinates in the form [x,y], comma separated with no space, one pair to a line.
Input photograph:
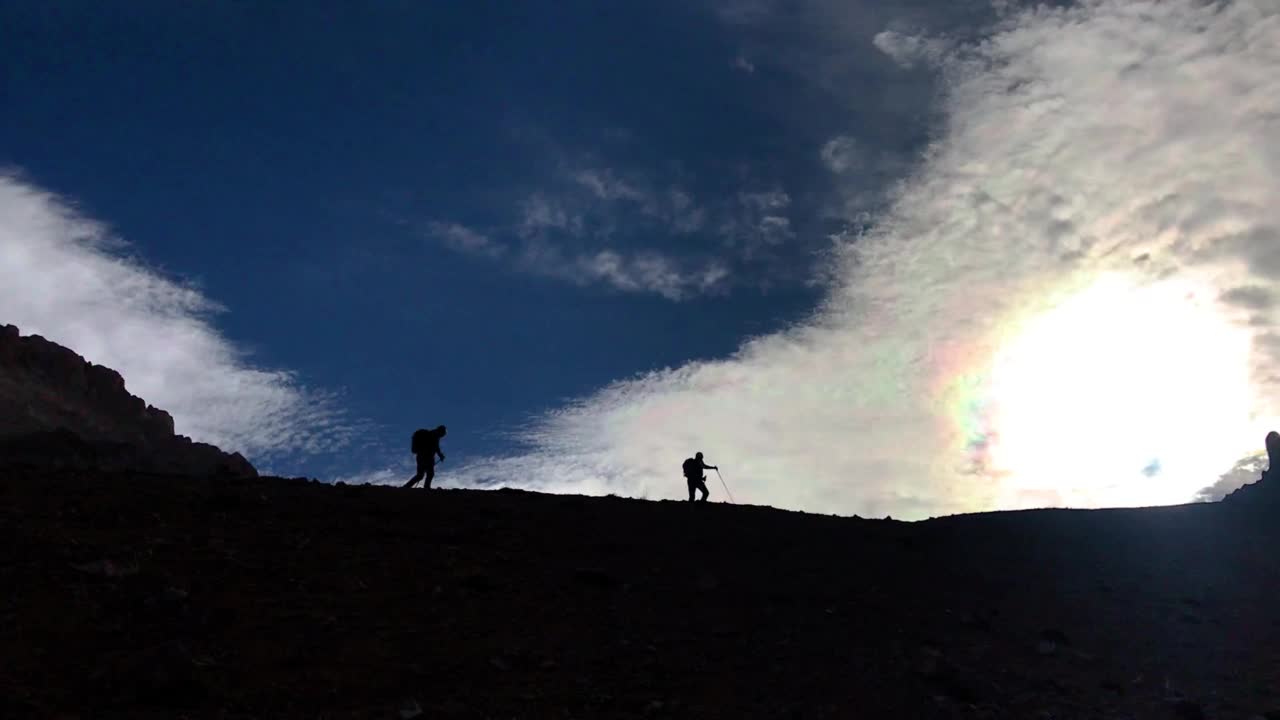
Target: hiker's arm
[710,467]
[440,453]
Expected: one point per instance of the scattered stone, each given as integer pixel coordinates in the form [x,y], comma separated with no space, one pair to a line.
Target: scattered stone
[108,568]
[410,709]
[980,621]
[927,661]
[1055,636]
[1188,710]
[595,577]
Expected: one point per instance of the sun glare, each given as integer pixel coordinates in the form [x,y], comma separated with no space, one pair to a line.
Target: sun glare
[1122,395]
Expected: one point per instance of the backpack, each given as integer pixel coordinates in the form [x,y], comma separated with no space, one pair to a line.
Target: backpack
[691,468]
[421,439]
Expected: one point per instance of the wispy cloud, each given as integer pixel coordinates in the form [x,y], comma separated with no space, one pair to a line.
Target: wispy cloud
[540,213]
[464,239]
[759,222]
[1101,176]
[570,232]
[911,50]
[66,277]
[637,272]
[605,185]
[841,154]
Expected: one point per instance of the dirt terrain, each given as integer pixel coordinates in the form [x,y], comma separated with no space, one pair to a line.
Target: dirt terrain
[145,596]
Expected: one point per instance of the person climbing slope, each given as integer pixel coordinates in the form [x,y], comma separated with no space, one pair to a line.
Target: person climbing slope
[693,468]
[426,445]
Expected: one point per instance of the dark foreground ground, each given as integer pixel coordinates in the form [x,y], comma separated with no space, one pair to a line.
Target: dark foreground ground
[128,596]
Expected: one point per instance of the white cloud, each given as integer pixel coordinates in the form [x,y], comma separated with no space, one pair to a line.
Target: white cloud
[911,50]
[540,213]
[568,233]
[464,239]
[742,63]
[766,200]
[610,193]
[1103,174]
[65,277]
[759,223]
[639,272]
[684,215]
[605,185]
[840,154]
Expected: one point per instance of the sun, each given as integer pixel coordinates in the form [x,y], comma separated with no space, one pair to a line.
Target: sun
[1124,394]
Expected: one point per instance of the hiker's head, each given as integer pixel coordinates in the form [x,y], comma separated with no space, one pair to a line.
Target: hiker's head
[440,431]
[1273,443]
[698,456]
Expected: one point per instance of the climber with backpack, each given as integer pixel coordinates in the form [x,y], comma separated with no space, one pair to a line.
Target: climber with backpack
[693,468]
[426,445]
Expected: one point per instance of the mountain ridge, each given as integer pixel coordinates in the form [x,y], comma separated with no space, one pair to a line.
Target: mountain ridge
[62,410]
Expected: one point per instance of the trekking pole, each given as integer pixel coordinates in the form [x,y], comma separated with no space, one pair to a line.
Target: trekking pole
[726,487]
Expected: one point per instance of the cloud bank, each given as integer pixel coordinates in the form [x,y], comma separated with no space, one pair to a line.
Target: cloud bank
[65,277]
[1068,303]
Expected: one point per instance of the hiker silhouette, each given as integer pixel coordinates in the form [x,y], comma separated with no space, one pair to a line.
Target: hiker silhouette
[1273,453]
[426,445]
[693,468]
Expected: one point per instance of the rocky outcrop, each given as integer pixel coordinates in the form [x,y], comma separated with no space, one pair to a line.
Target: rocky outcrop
[59,410]
[1264,491]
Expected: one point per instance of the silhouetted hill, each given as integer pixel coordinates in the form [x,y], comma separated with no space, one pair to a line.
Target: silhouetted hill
[131,595]
[1263,494]
[58,410]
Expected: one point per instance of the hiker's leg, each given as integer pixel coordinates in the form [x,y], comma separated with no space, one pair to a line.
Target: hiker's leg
[431,474]
[423,469]
[691,489]
[702,488]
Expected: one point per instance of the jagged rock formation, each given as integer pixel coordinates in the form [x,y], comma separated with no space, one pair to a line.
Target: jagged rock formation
[59,410]
[1264,491]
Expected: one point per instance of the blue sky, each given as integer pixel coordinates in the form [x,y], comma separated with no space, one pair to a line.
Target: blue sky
[533,221]
[299,163]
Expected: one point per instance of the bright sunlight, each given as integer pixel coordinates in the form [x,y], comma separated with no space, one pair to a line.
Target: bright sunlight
[1127,394]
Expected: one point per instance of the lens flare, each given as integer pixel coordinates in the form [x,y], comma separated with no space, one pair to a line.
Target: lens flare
[1122,394]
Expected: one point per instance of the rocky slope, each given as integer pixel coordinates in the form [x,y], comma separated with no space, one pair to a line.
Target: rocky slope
[57,409]
[146,596]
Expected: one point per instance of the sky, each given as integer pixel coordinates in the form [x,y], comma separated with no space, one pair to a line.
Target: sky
[907,258]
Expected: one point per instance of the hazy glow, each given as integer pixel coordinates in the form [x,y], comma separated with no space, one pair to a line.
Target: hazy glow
[1100,399]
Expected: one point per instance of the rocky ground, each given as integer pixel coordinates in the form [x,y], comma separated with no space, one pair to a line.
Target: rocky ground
[161,597]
